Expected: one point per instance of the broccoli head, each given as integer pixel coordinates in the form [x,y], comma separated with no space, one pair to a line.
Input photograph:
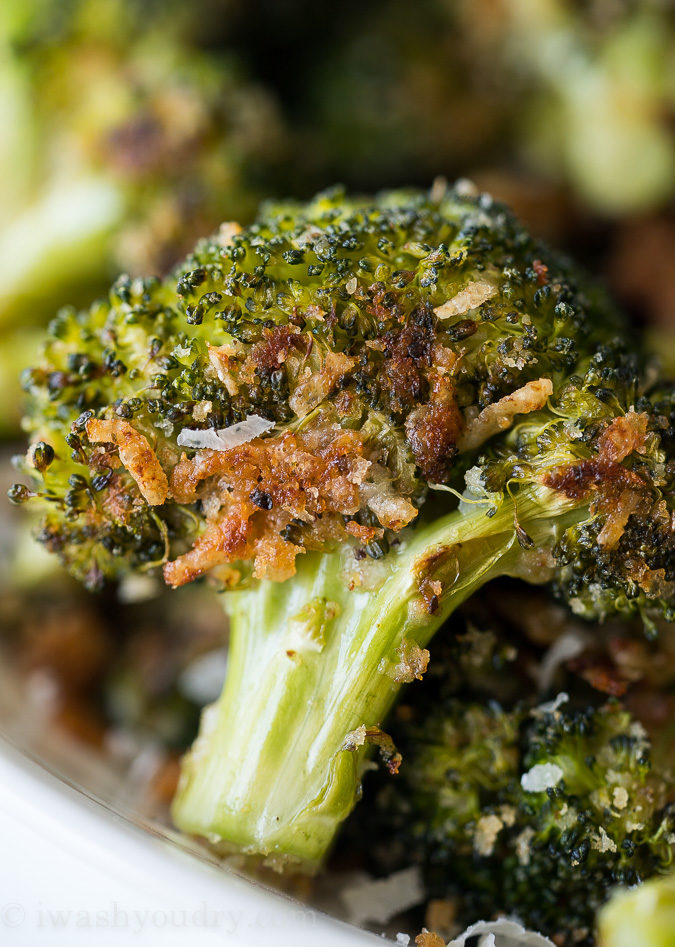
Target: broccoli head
[533,812]
[370,333]
[299,401]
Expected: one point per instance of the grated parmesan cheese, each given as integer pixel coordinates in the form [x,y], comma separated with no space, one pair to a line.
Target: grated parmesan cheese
[541,777]
[378,900]
[227,437]
[472,296]
[499,416]
[505,933]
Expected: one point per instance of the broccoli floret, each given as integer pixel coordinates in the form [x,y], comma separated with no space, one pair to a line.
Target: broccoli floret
[533,812]
[299,402]
[391,322]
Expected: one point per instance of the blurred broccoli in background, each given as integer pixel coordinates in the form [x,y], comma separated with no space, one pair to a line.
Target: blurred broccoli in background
[402,90]
[123,145]
[157,139]
[580,96]
[601,96]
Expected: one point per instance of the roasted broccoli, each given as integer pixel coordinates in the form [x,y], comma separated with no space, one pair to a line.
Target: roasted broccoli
[299,402]
[524,790]
[574,98]
[534,812]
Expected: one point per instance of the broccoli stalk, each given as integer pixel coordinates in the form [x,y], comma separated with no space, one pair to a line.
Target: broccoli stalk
[277,765]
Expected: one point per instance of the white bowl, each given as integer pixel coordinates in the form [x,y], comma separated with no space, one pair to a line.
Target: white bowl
[76,870]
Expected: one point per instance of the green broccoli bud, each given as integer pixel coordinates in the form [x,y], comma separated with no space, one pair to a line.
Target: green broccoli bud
[533,812]
[643,916]
[620,558]
[295,403]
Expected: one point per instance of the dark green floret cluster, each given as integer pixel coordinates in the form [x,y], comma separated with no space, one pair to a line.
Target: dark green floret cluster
[622,557]
[537,813]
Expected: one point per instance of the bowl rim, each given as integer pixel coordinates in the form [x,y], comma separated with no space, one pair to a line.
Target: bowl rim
[164,868]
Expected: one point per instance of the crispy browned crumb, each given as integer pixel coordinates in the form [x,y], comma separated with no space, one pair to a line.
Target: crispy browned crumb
[619,492]
[314,386]
[135,455]
[619,510]
[223,361]
[623,436]
[274,349]
[365,534]
[499,416]
[429,939]
[254,493]
[430,592]
[434,429]
[117,501]
[224,540]
[412,664]
[408,352]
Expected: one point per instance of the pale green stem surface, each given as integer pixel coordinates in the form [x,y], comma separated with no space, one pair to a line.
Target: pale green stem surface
[642,917]
[269,773]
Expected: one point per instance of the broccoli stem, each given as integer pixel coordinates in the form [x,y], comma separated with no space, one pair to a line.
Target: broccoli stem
[643,915]
[311,661]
